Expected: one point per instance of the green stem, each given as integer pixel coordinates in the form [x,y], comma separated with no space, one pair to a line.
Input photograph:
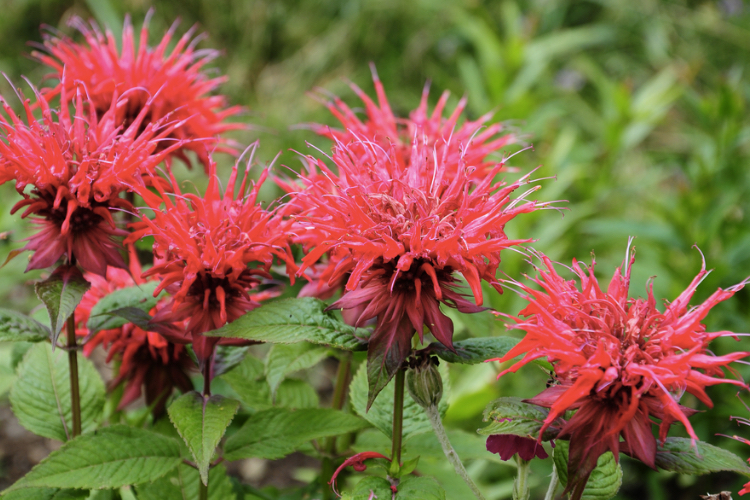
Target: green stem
[521,484]
[203,488]
[75,393]
[203,491]
[553,483]
[339,397]
[437,426]
[398,416]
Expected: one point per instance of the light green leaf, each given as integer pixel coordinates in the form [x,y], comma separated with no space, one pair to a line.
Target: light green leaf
[110,458]
[510,415]
[202,422]
[369,485]
[284,359]
[15,327]
[40,397]
[605,480]
[61,293]
[410,488]
[679,455]
[289,321]
[477,350]
[278,432]
[181,483]
[141,297]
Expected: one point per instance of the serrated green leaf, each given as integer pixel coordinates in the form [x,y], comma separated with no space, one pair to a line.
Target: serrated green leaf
[605,480]
[112,457]
[679,455]
[182,482]
[409,488]
[380,414]
[17,327]
[141,297]
[289,321]
[45,494]
[510,415]
[61,293]
[366,487]
[278,432]
[284,359]
[202,422]
[40,397]
[227,357]
[473,351]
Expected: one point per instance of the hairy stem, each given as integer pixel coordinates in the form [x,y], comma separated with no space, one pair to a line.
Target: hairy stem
[553,483]
[75,392]
[521,485]
[437,426]
[340,390]
[398,416]
[203,488]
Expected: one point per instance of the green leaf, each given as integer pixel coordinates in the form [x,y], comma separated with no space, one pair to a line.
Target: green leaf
[510,415]
[289,321]
[410,488]
[227,357]
[40,397]
[61,293]
[278,432]
[141,297]
[679,455]
[605,480]
[181,483]
[369,485]
[45,494]
[202,422]
[285,359]
[477,350]
[112,457]
[380,414]
[15,327]
[383,362]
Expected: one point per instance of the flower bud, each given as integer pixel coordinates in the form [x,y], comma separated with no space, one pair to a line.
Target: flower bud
[425,384]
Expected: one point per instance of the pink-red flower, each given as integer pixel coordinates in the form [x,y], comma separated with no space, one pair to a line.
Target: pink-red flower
[211,252]
[399,234]
[507,445]
[618,362]
[77,166]
[357,462]
[174,81]
[149,364]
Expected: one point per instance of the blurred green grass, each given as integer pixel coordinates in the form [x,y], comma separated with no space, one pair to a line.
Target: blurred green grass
[639,111]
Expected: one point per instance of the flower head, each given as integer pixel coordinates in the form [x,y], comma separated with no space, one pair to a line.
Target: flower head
[204,246]
[172,81]
[77,166]
[399,234]
[617,361]
[148,362]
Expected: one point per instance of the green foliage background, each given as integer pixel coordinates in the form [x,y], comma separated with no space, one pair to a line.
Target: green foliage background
[638,109]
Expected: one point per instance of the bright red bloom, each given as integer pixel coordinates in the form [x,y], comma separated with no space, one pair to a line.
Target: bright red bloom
[357,462]
[467,144]
[400,233]
[148,362]
[203,248]
[174,81]
[617,361]
[77,166]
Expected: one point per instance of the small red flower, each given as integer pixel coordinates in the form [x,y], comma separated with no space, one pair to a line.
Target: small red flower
[617,362]
[172,80]
[507,445]
[399,234]
[148,362]
[357,462]
[77,166]
[203,247]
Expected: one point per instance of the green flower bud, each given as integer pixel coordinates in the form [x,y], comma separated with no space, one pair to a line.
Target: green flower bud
[425,384]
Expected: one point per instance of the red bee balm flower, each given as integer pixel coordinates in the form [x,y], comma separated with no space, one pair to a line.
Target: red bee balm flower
[617,361]
[147,360]
[77,166]
[172,80]
[203,247]
[401,232]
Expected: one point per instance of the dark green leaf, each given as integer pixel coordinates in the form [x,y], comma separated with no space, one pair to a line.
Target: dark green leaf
[477,350]
[278,432]
[679,455]
[289,321]
[369,485]
[181,483]
[383,362]
[409,488]
[202,422]
[45,494]
[227,357]
[15,327]
[140,297]
[110,458]
[61,293]
[40,397]
[510,415]
[605,480]
[285,359]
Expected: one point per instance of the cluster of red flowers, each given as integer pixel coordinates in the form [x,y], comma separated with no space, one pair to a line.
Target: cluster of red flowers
[617,362]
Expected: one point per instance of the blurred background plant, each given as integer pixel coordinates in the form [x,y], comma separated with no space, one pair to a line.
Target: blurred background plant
[640,114]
